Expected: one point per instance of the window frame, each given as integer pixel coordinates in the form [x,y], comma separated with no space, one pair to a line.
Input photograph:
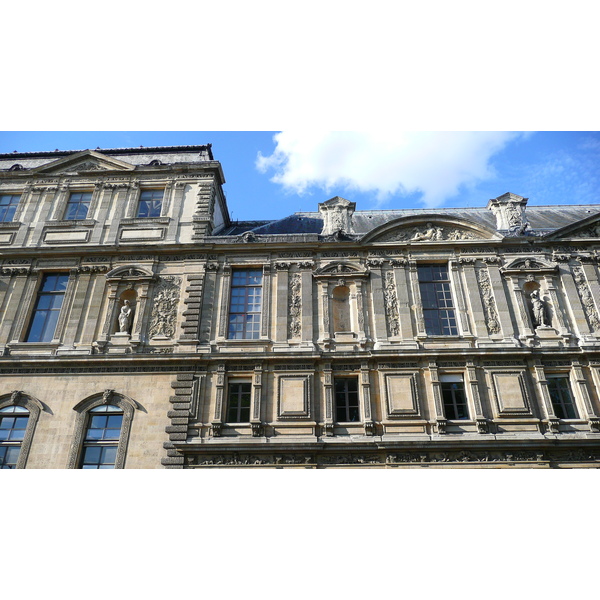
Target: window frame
[35,307]
[127,406]
[34,407]
[450,379]
[3,218]
[230,386]
[561,404]
[141,200]
[68,203]
[454,330]
[257,325]
[346,399]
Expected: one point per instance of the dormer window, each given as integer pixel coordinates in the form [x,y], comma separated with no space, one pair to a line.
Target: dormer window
[150,204]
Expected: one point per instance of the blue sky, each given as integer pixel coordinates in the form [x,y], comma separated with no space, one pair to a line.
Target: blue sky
[272,174]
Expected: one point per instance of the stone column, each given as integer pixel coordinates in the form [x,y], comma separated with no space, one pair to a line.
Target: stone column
[474,294]
[307,301]
[140,316]
[416,298]
[217,422]
[328,394]
[586,299]
[584,392]
[360,311]
[500,296]
[542,387]
[473,383]
[404,313]
[265,326]
[460,298]
[94,304]
[523,317]
[23,294]
[440,417]
[66,305]
[377,301]
[366,399]
[255,420]
[44,212]
[109,317]
[173,209]
[581,324]
[120,200]
[281,302]
[16,282]
[324,321]
[105,190]
[26,214]
[224,302]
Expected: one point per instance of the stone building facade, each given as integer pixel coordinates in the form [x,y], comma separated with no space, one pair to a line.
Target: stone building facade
[141,328]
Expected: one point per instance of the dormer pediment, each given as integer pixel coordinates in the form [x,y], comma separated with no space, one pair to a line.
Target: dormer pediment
[88,160]
[429,229]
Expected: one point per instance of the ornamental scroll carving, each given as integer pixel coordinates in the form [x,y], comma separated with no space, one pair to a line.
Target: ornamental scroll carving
[164,311]
[586,298]
[487,298]
[391,304]
[426,233]
[295,307]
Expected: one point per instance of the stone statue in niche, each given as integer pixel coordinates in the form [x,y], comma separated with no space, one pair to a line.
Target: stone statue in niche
[539,309]
[125,317]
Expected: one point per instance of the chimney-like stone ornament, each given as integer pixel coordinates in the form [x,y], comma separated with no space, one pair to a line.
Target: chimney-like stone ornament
[337,216]
[509,210]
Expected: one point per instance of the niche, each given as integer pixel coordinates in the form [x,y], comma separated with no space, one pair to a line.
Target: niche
[124,318]
[341,309]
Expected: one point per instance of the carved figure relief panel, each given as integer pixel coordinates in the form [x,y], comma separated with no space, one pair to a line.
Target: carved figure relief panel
[164,309]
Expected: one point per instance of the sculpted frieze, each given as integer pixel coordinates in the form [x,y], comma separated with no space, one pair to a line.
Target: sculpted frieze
[430,232]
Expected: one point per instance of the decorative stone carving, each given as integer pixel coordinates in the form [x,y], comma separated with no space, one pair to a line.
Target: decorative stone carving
[391,304]
[107,396]
[538,307]
[586,298]
[248,237]
[489,306]
[427,233]
[337,216]
[593,231]
[164,311]
[295,307]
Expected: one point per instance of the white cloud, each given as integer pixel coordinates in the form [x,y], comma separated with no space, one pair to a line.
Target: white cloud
[384,163]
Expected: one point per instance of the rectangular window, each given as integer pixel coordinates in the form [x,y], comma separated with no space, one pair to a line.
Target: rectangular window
[150,204]
[561,397]
[436,296]
[238,402]
[47,307]
[346,399]
[245,305]
[8,207]
[78,206]
[454,397]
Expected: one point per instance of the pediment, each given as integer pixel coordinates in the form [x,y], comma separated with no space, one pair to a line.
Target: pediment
[337,269]
[88,160]
[588,228]
[527,266]
[429,229]
[130,272]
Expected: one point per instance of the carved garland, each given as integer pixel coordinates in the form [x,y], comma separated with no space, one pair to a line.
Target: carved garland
[391,304]
[586,298]
[295,307]
[487,298]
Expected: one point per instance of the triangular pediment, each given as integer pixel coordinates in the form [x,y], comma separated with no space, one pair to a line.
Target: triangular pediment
[87,160]
[429,228]
[585,229]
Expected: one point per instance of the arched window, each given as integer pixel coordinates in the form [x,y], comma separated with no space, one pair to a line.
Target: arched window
[102,437]
[18,416]
[102,431]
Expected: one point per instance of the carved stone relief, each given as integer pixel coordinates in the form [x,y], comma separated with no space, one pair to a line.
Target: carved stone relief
[164,311]
[586,298]
[295,307]
[427,233]
[489,305]
[391,304]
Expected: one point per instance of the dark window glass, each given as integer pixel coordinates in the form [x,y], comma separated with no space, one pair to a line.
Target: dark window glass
[47,308]
[8,207]
[13,423]
[561,397]
[102,437]
[150,203]
[238,406]
[436,296]
[455,400]
[245,305]
[346,399]
[78,205]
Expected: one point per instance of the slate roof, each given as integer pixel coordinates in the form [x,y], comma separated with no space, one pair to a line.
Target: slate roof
[544,218]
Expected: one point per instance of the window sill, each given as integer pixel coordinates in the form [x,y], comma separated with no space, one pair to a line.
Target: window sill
[10,224]
[71,223]
[144,220]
